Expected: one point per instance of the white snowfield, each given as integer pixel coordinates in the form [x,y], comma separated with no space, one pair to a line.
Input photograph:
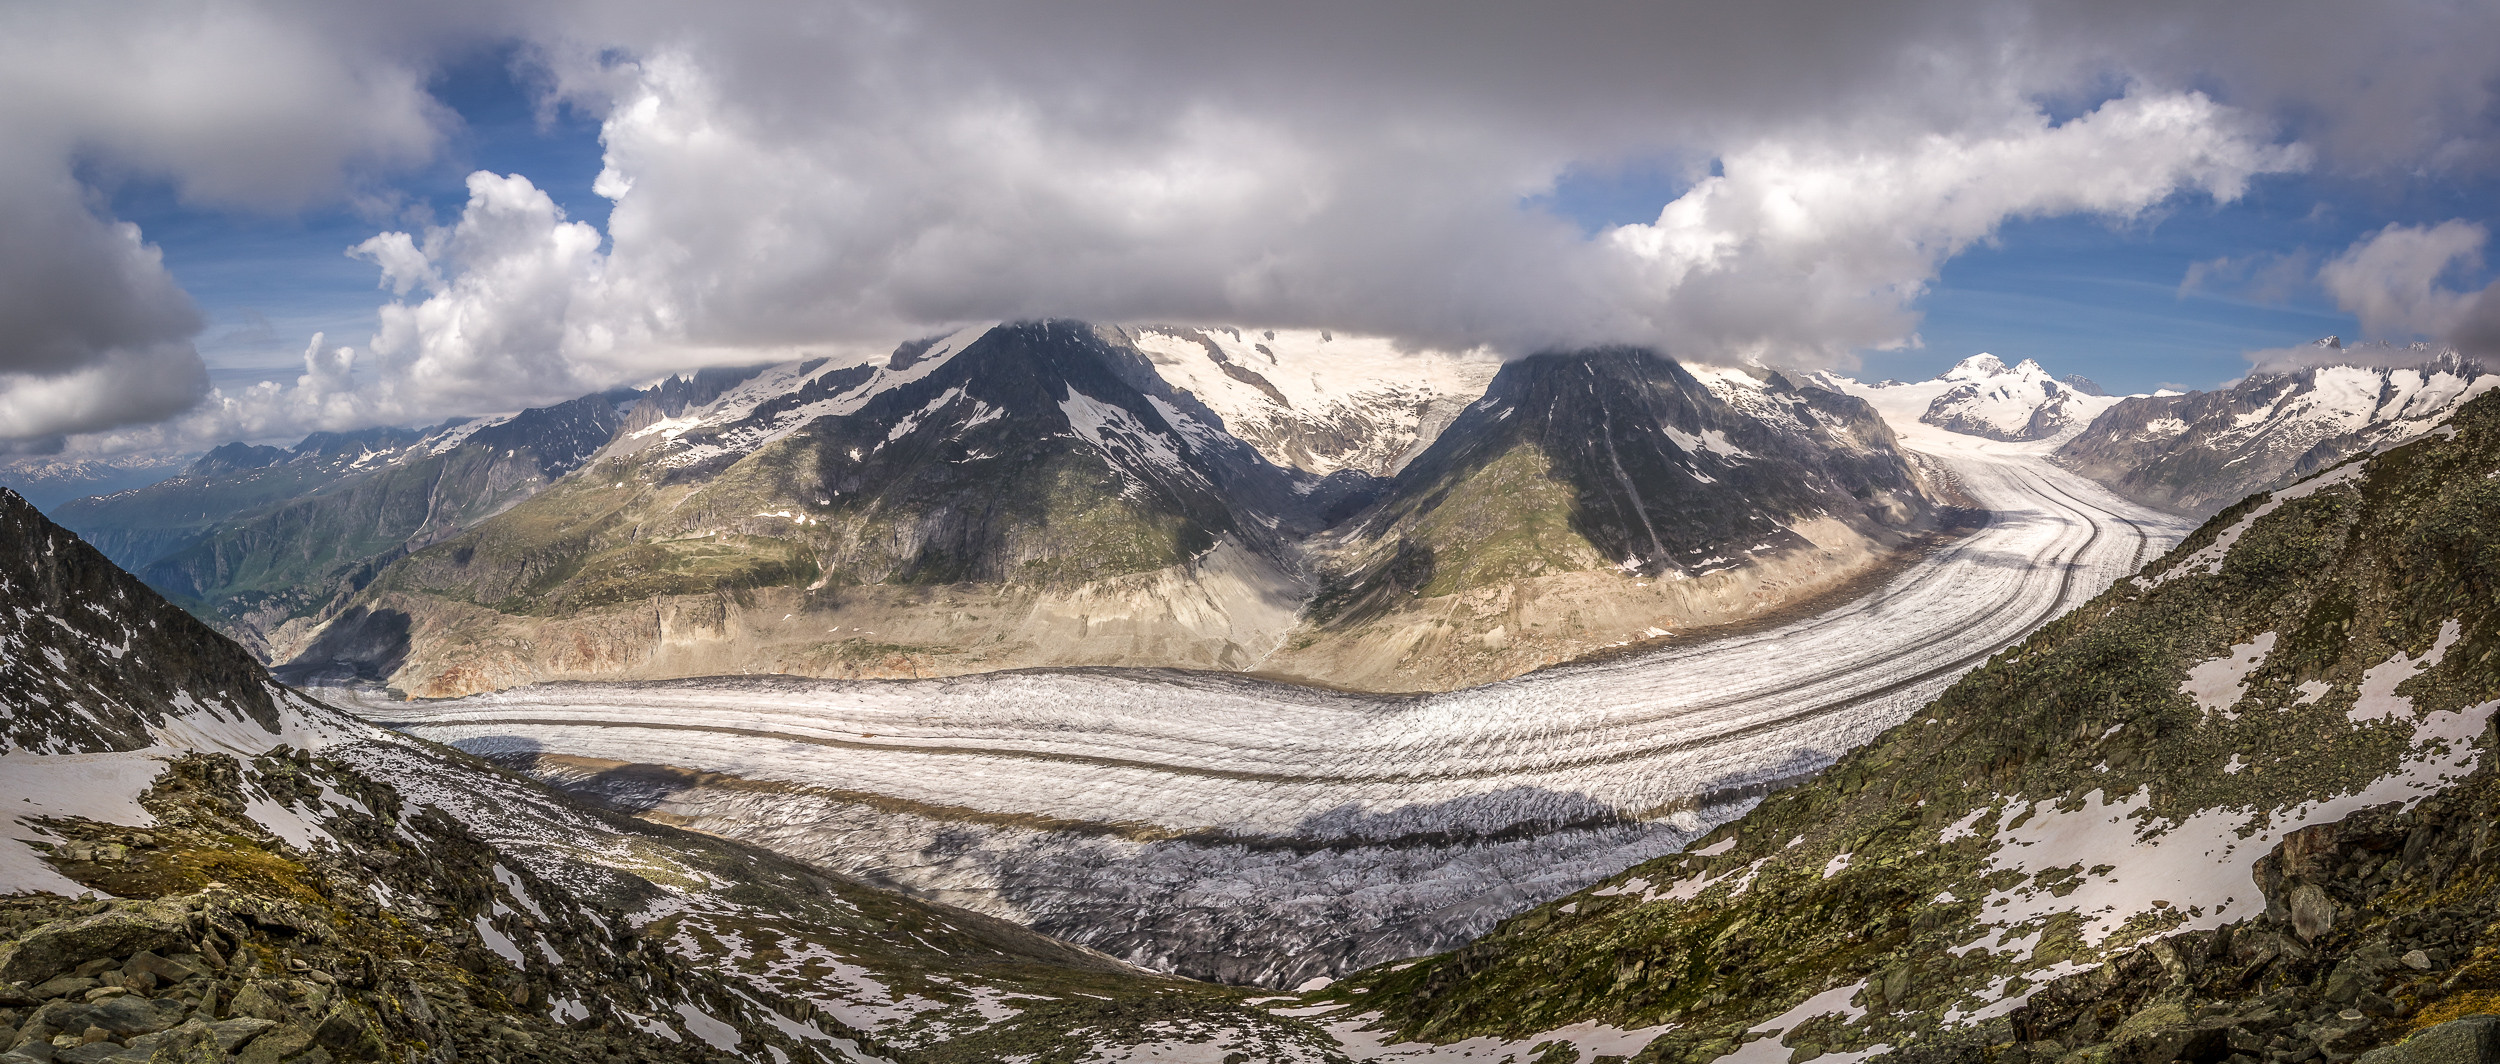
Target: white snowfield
[1983,392]
[1351,402]
[1335,830]
[2381,406]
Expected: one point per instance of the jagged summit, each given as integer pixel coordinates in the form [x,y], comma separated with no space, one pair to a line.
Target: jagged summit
[1984,366]
[1982,396]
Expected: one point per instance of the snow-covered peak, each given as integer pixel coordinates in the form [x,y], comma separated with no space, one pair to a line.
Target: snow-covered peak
[1982,396]
[2200,451]
[1987,367]
[1977,367]
[781,399]
[1316,400]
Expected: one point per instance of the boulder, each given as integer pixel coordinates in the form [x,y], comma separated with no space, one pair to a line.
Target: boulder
[115,933]
[132,1014]
[166,969]
[62,986]
[231,1034]
[275,1045]
[262,1000]
[2472,1040]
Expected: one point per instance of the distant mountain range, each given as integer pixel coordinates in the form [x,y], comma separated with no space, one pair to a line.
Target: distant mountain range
[260,539]
[2199,452]
[1059,493]
[1044,493]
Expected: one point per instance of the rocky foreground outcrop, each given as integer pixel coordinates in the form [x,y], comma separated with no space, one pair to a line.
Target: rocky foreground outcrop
[231,946]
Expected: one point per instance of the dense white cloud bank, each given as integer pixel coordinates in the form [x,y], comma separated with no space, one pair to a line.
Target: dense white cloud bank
[822,177]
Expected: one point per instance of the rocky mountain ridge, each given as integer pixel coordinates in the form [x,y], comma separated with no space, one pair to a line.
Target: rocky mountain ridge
[2198,452]
[1044,494]
[265,541]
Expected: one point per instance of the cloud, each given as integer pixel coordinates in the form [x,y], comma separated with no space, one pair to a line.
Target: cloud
[743,221]
[235,106]
[1811,252]
[803,176]
[93,332]
[2392,279]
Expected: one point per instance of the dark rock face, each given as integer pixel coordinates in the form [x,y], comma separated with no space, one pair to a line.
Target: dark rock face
[1658,469]
[90,659]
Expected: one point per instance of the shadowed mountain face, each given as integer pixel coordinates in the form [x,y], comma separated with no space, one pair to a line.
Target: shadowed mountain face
[2224,808]
[92,660]
[2198,452]
[1600,496]
[1659,473]
[263,541]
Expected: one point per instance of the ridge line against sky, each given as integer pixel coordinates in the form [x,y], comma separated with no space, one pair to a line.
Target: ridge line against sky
[565,197]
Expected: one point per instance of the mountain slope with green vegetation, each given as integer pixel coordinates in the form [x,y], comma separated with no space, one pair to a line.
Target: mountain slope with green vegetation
[262,541]
[1027,494]
[2063,853]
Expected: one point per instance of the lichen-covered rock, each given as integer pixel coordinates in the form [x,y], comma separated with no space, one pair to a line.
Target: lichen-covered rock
[2473,1040]
[119,932]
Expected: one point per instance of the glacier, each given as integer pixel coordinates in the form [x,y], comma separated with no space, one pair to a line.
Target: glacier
[1226,827]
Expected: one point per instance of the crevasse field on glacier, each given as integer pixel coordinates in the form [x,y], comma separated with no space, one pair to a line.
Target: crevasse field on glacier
[1229,828]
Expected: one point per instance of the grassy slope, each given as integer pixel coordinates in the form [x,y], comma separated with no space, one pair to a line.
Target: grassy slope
[1054,517]
[2346,578]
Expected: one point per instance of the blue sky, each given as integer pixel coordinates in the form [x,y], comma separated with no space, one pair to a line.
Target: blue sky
[268,282]
[2108,298]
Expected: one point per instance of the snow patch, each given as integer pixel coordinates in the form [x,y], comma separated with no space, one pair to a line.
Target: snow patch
[2219,684]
